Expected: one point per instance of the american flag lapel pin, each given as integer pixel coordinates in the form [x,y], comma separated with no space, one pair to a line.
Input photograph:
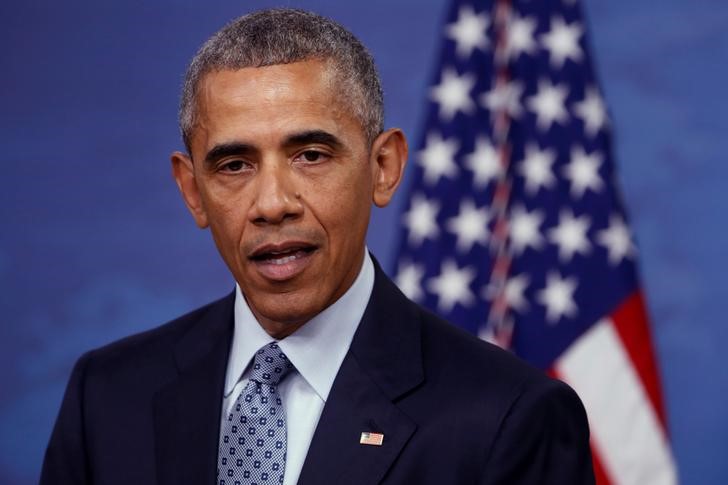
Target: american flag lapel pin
[374,439]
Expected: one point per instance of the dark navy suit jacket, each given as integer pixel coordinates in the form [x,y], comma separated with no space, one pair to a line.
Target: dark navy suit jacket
[453,409]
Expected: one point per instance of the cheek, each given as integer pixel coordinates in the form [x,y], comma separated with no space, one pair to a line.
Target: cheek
[345,213]
[226,239]
[226,215]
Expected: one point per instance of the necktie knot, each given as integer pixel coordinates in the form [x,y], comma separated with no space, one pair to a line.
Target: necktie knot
[270,365]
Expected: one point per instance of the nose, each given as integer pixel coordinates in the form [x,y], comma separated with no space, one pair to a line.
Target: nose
[276,199]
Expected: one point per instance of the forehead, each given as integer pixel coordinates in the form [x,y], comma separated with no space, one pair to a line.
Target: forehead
[270,100]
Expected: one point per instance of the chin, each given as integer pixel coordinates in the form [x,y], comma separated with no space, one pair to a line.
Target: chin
[285,310]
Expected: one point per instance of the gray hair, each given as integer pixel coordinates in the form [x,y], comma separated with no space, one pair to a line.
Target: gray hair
[283,36]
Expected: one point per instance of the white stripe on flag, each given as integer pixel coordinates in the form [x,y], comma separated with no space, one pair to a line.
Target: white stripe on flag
[625,430]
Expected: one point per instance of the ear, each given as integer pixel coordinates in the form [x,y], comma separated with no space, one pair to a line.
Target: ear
[388,157]
[184,174]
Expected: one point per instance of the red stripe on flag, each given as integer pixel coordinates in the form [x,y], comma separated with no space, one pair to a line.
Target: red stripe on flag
[599,473]
[630,321]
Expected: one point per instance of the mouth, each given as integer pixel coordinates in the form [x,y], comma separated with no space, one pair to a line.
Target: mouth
[283,261]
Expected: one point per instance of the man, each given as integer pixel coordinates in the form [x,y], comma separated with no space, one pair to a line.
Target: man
[316,370]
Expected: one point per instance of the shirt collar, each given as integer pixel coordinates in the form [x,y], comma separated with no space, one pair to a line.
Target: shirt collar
[333,329]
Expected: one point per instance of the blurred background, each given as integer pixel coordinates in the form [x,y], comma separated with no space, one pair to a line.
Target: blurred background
[96,243]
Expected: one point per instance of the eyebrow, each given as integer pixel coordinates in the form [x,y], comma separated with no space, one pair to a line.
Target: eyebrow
[303,138]
[313,136]
[227,149]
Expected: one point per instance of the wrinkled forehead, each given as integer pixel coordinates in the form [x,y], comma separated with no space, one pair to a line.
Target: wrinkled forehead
[272,100]
[313,80]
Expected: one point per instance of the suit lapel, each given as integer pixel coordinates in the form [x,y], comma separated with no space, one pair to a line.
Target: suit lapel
[383,363]
[187,411]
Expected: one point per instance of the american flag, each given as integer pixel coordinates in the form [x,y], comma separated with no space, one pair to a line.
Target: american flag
[368,438]
[514,228]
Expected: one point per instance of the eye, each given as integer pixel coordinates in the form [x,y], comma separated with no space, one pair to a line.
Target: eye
[311,156]
[233,166]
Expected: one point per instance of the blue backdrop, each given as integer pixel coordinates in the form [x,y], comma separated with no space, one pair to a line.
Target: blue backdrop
[96,243]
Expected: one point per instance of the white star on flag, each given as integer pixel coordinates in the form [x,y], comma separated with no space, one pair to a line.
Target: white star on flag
[558,297]
[592,111]
[583,171]
[484,162]
[438,158]
[421,219]
[548,104]
[536,168]
[515,292]
[504,96]
[469,31]
[469,226]
[409,280]
[453,94]
[520,36]
[617,239]
[524,229]
[562,41]
[570,235]
[452,286]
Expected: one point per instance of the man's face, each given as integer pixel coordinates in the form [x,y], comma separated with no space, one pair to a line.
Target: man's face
[282,174]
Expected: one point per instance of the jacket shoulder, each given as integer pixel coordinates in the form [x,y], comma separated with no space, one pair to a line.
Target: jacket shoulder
[455,350]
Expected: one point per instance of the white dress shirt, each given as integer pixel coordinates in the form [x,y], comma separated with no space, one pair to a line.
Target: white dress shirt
[316,349]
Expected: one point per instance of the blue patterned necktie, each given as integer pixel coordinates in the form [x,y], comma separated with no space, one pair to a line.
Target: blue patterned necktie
[253,438]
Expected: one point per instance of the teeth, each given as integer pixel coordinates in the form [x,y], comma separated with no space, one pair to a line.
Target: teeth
[285,260]
[278,253]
